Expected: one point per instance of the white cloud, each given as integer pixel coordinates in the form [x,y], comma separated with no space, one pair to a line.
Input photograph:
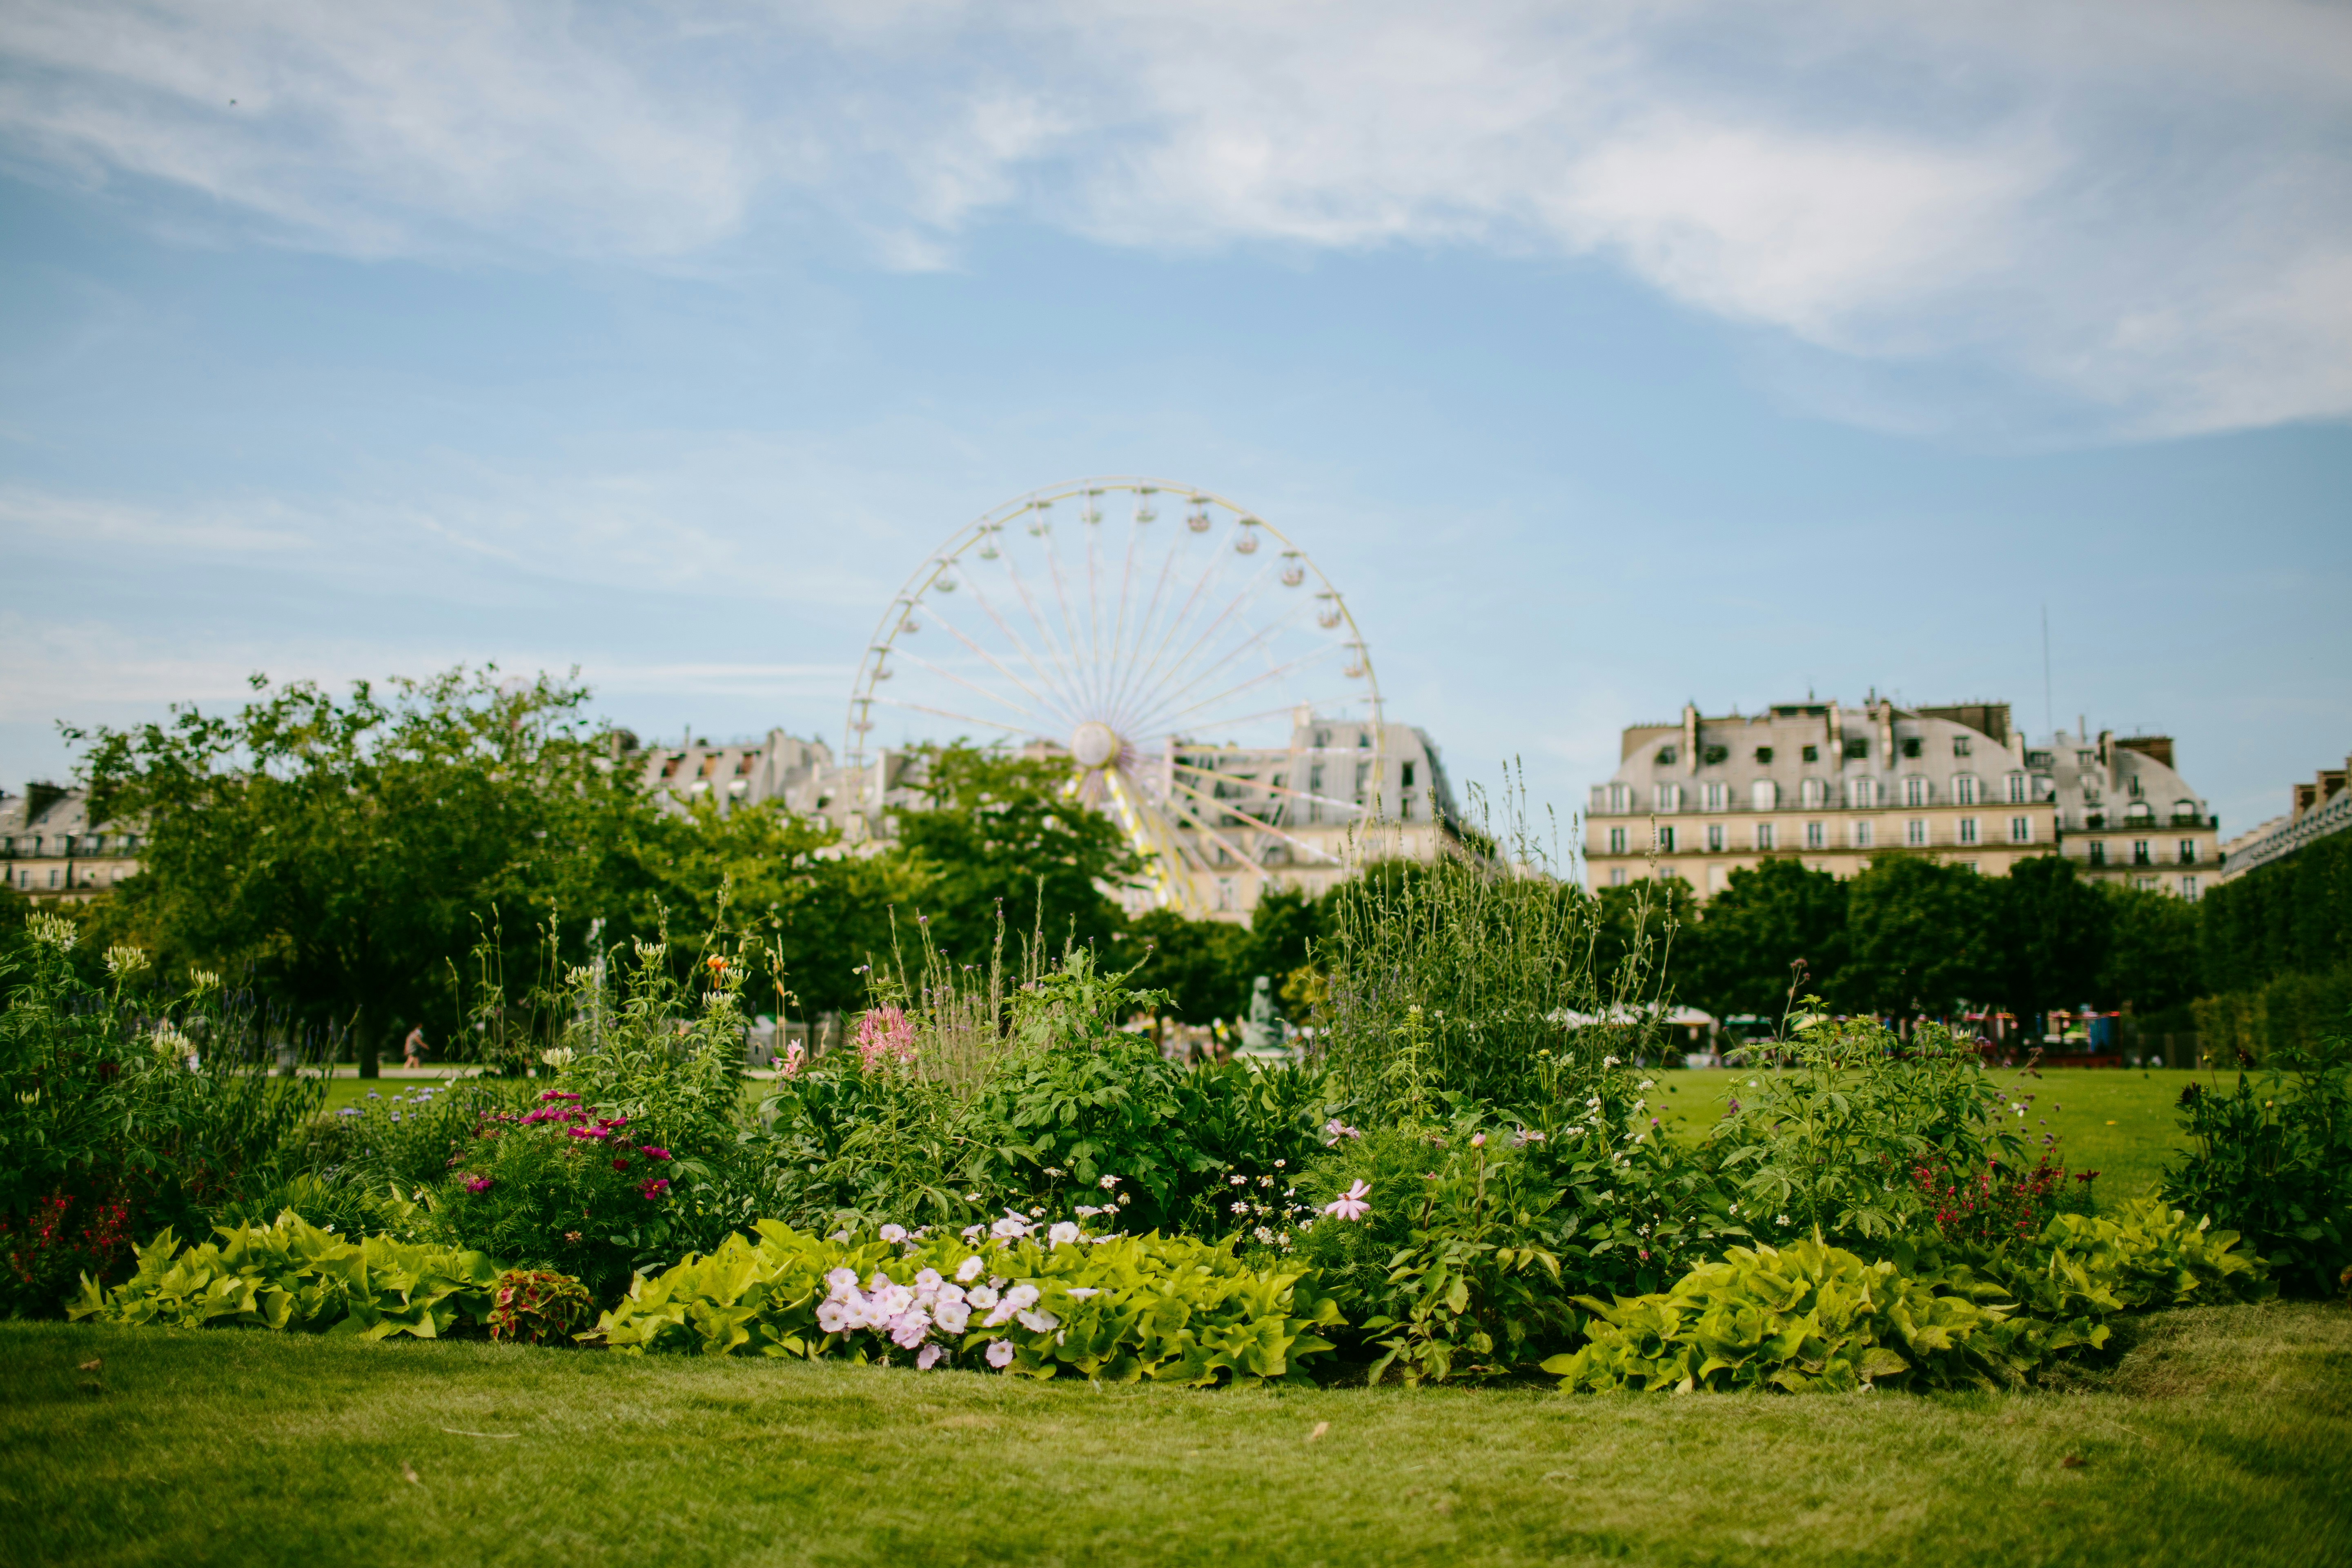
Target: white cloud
[2143,205]
[115,526]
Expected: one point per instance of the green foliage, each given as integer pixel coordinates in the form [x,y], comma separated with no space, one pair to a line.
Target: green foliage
[2288,1012]
[2054,934]
[2272,1159]
[1734,959]
[341,847]
[1002,838]
[2293,916]
[405,1138]
[122,1113]
[2144,1255]
[1804,1318]
[1832,1139]
[292,1275]
[1116,1310]
[534,1307]
[2151,954]
[1921,936]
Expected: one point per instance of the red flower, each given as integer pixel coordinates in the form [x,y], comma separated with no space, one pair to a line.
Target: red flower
[653,1187]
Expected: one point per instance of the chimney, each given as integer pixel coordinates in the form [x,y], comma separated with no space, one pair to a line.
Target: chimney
[1837,731]
[1690,737]
[1885,732]
[2106,748]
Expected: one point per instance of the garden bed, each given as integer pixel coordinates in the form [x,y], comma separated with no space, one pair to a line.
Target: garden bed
[2215,1435]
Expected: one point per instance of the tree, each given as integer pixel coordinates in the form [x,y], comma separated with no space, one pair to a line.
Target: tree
[1916,939]
[1195,962]
[1736,960]
[2051,933]
[1003,833]
[2151,958]
[1653,916]
[341,848]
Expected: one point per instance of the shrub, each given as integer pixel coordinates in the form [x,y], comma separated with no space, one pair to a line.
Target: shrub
[403,1137]
[290,1274]
[533,1306]
[1116,1309]
[2147,1255]
[2272,1159]
[1804,1318]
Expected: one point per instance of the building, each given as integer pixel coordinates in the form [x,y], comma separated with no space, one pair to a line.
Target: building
[51,851]
[1234,823]
[1838,786]
[2315,810]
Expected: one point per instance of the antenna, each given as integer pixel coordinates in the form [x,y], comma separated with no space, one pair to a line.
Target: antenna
[2048,708]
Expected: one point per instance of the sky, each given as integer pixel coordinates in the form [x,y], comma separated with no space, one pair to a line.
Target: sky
[1607,357]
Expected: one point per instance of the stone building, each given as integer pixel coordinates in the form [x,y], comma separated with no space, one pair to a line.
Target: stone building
[51,851]
[1838,786]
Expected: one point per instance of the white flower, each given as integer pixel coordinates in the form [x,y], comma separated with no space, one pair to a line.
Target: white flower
[948,1293]
[1609,1061]
[929,1279]
[840,1282]
[1012,1227]
[1645,1084]
[1063,1234]
[951,1316]
[930,1358]
[1783,1220]
[1080,1292]
[1053,1170]
[1122,1198]
[894,1233]
[1037,1214]
[842,1236]
[1108,1183]
[832,1316]
[907,1329]
[971,1233]
[982,1297]
[1237,1180]
[1021,1296]
[969,1269]
[878,1281]
[1039,1323]
[1241,1209]
[1000,1353]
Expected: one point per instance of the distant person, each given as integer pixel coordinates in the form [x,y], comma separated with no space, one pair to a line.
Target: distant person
[414,1047]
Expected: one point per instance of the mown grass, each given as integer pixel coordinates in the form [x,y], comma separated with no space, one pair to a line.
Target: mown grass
[2218,1437]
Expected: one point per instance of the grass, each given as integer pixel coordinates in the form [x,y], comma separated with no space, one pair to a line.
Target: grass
[2218,1436]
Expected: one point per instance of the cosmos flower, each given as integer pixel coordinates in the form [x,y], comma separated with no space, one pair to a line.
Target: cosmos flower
[1350,1204]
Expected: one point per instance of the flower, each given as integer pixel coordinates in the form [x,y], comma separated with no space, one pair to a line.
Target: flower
[930,1358]
[650,1153]
[1063,1232]
[716,963]
[1241,1209]
[1053,1171]
[1012,1227]
[885,1037]
[1039,1323]
[982,1297]
[970,1233]
[907,1329]
[653,1187]
[1108,1183]
[477,1183]
[952,1316]
[968,1270]
[791,1061]
[1000,1353]
[1236,1181]
[620,1162]
[832,1316]
[1477,1139]
[1080,1292]
[1350,1204]
[1122,1198]
[841,1281]
[1782,1220]
[894,1233]
[929,1279]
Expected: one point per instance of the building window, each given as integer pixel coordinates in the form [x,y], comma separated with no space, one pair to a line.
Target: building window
[1621,797]
[1407,780]
[1225,894]
[2188,888]
[1616,841]
[1861,794]
[2021,830]
[1959,745]
[1764,756]
[1967,830]
[2141,857]
[1964,789]
[1911,746]
[1813,754]
[1666,839]
[2098,851]
[1711,798]
[1862,834]
[53,876]
[1670,797]
[1763,835]
[1665,757]
[1915,832]
[2145,884]
[1856,749]
[1714,838]
[2189,851]
[1763,794]
[1815,837]
[2017,789]
[1815,794]
[1616,875]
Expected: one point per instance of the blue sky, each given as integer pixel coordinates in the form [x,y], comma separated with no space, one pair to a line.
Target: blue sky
[1606,357]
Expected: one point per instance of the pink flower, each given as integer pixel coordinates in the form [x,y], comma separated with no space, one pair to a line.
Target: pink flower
[1350,1204]
[650,1153]
[477,1183]
[930,1358]
[621,1162]
[1000,1353]
[653,1187]
[790,1063]
[884,1037]
[893,1233]
[1477,1141]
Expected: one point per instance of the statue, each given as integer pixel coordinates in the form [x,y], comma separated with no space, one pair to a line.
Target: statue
[1262,1034]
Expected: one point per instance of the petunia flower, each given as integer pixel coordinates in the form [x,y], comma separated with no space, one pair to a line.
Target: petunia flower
[1063,1234]
[841,1281]
[929,1357]
[951,1316]
[894,1233]
[969,1269]
[1000,1353]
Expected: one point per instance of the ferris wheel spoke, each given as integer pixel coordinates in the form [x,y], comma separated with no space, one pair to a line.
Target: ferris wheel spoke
[1061,700]
[1255,585]
[1235,851]
[973,686]
[1290,838]
[958,633]
[1094,584]
[1284,790]
[1256,639]
[959,718]
[1045,636]
[1160,717]
[1146,671]
[1082,685]
[1130,664]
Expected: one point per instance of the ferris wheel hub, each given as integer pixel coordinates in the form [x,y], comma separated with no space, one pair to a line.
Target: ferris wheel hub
[1093,744]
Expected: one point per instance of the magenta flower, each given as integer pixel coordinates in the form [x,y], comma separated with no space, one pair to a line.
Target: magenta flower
[620,1162]
[653,1187]
[650,1153]
[477,1183]
[885,1037]
[1350,1204]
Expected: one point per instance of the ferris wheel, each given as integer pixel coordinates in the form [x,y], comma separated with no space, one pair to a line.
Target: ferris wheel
[1172,646]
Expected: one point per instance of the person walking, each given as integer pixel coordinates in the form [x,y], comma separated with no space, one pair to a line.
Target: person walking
[414,1047]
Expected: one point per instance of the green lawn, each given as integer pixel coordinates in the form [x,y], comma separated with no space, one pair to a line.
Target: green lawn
[2219,1438]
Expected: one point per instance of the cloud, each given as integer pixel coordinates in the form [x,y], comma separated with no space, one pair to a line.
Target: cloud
[82,520]
[2142,206]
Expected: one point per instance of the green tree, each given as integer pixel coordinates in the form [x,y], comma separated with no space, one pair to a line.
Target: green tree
[2052,935]
[1736,960]
[1916,939]
[341,848]
[1195,962]
[2151,957]
[1655,915]
[1003,833]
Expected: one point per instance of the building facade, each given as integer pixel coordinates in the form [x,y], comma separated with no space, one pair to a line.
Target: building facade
[51,851]
[2315,810]
[1838,786]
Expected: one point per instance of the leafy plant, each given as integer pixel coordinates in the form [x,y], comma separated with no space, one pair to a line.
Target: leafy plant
[535,1305]
[2272,1160]
[292,1275]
